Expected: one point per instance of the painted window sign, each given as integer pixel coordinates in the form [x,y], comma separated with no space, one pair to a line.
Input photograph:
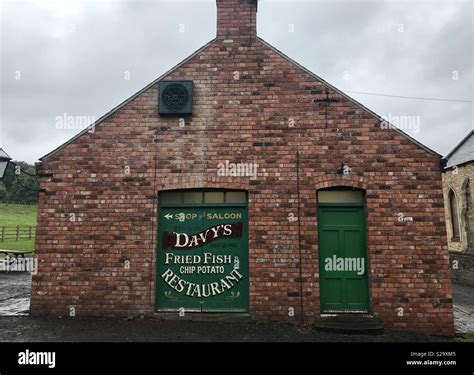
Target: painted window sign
[183,240]
[201,290]
[202,257]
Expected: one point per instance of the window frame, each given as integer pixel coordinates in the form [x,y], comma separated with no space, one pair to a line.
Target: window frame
[203,203]
[454,216]
[362,203]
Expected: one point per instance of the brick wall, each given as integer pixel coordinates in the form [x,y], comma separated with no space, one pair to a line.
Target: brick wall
[237,20]
[264,114]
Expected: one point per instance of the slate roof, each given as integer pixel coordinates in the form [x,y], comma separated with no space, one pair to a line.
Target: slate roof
[463,153]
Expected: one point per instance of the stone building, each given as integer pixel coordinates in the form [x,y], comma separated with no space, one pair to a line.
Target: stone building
[240,182]
[458,188]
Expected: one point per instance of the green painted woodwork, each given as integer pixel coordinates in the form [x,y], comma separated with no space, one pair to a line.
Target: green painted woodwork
[202,253]
[343,261]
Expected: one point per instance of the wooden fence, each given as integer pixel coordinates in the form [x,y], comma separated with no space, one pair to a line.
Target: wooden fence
[17,233]
[27,203]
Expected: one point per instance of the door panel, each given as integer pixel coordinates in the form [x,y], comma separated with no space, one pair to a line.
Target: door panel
[171,264]
[196,260]
[343,259]
[230,274]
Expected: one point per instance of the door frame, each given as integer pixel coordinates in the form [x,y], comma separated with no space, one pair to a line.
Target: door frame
[160,205]
[363,206]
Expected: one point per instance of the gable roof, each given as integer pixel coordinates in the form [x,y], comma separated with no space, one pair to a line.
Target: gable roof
[121,105]
[462,153]
[4,155]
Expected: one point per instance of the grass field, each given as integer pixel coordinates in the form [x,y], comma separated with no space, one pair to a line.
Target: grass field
[27,245]
[17,214]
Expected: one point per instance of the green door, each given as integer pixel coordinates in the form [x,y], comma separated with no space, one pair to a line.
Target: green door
[343,261]
[202,252]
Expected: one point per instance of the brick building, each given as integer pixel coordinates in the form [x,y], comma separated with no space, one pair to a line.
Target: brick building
[458,188]
[241,182]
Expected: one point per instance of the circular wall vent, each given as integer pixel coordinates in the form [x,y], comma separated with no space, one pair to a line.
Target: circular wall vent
[175,97]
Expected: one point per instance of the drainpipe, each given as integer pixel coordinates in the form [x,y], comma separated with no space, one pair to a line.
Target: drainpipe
[299,233]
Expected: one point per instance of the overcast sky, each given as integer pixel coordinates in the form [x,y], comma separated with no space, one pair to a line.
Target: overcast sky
[84,57]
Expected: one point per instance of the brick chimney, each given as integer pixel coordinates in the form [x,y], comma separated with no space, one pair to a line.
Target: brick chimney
[237,19]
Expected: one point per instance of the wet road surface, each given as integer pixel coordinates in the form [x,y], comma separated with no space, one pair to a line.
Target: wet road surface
[15,289]
[463,297]
[83,329]
[17,326]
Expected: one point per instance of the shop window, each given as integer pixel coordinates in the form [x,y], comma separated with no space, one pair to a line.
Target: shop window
[220,197]
[192,197]
[214,197]
[340,196]
[171,197]
[235,197]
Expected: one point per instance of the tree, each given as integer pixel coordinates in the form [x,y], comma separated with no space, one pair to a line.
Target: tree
[3,192]
[19,186]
